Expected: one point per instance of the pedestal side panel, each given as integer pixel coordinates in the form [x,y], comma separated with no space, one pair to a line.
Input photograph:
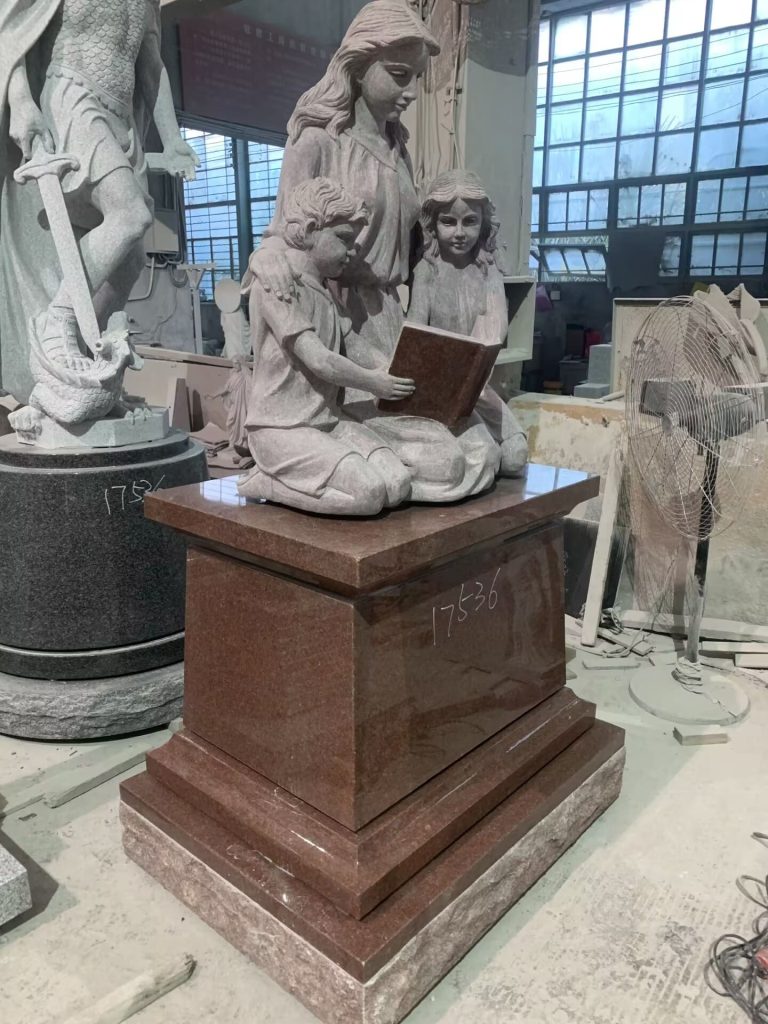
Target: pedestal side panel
[446,660]
[269,677]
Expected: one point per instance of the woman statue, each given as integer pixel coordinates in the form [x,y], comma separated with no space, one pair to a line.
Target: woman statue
[347,128]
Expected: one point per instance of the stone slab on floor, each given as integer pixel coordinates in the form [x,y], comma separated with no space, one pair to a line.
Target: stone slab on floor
[15,896]
[590,390]
[409,970]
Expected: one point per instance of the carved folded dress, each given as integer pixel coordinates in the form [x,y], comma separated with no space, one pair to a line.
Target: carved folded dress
[446,465]
[471,301]
[97,128]
[296,433]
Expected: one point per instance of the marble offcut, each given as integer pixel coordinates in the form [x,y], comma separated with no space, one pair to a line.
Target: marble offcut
[15,896]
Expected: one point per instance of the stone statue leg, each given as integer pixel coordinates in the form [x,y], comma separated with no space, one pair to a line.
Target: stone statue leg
[481,453]
[514,455]
[107,247]
[396,477]
[427,449]
[113,294]
[355,489]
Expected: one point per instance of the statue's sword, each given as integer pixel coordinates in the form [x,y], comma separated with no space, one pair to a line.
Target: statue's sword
[47,170]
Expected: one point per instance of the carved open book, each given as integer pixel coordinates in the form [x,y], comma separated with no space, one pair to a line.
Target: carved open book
[450,371]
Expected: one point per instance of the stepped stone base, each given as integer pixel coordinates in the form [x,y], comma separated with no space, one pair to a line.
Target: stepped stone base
[375,970]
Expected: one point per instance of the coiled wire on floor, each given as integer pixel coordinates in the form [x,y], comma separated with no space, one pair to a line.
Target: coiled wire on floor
[739,966]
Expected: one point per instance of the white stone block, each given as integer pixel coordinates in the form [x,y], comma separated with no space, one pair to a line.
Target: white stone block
[15,897]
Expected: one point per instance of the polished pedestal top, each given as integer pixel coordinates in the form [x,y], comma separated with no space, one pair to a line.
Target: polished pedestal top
[358,555]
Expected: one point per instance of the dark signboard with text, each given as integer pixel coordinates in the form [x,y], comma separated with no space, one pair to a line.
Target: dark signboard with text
[242,71]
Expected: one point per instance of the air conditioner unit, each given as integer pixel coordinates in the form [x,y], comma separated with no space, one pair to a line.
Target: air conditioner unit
[164,235]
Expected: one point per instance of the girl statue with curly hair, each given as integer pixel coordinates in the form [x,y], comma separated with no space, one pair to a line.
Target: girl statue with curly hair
[458,286]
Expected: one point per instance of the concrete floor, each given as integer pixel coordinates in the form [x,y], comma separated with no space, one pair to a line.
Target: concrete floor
[617,932]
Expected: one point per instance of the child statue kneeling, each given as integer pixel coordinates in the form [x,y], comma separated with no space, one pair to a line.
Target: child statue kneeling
[306,453]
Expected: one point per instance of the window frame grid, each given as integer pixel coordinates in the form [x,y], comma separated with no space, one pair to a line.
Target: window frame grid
[692,177]
[240,199]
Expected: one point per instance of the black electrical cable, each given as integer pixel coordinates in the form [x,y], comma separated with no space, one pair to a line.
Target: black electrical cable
[740,965]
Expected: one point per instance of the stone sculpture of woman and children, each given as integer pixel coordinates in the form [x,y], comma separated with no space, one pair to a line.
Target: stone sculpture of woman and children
[324,309]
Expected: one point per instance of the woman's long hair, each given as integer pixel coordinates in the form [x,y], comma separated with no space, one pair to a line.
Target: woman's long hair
[330,104]
[441,194]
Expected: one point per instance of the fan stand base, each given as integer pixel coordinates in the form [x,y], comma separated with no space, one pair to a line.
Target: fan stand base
[719,700]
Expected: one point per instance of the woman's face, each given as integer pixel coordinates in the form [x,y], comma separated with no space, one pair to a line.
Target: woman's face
[458,229]
[389,83]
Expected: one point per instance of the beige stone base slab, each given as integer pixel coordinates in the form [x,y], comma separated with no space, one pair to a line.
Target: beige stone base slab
[327,990]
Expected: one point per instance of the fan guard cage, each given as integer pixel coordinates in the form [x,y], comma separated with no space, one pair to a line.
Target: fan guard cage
[694,401]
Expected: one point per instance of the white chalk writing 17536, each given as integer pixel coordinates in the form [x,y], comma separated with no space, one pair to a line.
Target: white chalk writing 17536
[473,598]
[120,497]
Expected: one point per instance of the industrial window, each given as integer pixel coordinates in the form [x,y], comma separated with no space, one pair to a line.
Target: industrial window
[264,163]
[569,259]
[651,105]
[212,209]
[728,253]
[661,203]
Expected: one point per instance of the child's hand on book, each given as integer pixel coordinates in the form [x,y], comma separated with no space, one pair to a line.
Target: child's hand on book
[384,385]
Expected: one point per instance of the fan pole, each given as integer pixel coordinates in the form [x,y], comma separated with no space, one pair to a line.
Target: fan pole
[706,522]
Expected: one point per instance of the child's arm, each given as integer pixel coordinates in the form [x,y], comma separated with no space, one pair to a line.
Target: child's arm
[421,291]
[337,369]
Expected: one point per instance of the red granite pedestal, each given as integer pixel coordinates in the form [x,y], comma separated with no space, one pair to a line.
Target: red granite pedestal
[379,753]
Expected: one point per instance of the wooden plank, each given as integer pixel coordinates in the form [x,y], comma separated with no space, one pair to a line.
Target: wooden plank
[713,629]
[75,771]
[88,778]
[751,660]
[174,355]
[594,605]
[697,735]
[134,996]
[733,647]
[178,404]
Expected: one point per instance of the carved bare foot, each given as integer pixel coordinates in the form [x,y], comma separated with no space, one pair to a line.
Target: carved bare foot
[27,422]
[133,408]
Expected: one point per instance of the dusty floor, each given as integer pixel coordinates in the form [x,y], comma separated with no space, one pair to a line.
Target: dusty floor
[616,933]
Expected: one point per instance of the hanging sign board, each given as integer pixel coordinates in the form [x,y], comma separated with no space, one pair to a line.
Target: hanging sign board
[242,71]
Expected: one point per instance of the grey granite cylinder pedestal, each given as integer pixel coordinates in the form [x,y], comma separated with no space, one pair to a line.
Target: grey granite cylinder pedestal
[93,593]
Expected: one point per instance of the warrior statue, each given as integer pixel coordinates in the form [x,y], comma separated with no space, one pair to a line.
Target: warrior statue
[80,82]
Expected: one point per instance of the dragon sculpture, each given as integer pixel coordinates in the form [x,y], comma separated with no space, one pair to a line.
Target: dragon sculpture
[74,390]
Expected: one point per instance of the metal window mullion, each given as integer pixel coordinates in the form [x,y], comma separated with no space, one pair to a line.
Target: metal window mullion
[587,53]
[548,101]
[686,248]
[210,206]
[613,206]
[242,172]
[740,257]
[747,73]
[660,93]
[622,94]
